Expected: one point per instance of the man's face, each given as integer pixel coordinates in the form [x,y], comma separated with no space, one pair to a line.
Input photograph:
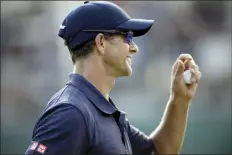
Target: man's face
[118,55]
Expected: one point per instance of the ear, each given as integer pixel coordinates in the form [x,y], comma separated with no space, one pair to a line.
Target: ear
[100,43]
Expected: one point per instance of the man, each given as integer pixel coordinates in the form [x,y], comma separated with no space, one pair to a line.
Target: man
[81,118]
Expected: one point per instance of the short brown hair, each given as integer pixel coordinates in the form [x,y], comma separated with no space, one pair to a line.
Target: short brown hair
[82,51]
[86,49]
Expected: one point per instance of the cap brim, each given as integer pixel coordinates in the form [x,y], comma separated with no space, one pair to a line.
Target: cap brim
[138,26]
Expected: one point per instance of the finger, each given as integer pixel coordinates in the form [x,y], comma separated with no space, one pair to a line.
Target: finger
[186,64]
[184,57]
[179,66]
[195,67]
[196,75]
[191,64]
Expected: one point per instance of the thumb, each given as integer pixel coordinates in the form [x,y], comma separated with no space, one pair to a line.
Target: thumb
[179,68]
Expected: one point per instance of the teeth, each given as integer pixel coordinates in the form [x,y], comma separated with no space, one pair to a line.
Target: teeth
[129,60]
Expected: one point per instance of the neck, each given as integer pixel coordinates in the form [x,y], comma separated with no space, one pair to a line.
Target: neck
[95,73]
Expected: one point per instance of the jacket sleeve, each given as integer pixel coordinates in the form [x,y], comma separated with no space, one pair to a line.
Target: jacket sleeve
[60,131]
[140,142]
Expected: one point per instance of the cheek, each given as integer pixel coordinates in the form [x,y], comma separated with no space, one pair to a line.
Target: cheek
[112,56]
[115,54]
[112,52]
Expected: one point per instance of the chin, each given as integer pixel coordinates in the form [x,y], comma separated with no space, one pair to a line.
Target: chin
[126,72]
[129,73]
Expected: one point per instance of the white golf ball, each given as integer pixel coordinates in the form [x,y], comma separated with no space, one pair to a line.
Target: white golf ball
[187,76]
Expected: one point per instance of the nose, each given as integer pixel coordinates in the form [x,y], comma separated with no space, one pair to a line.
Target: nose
[133,48]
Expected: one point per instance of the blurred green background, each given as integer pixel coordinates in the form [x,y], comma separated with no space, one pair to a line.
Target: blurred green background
[35,64]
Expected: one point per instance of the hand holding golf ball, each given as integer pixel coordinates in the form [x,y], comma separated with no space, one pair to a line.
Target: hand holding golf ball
[184,78]
[188,77]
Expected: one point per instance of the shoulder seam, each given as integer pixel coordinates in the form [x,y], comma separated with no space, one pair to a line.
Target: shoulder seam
[60,95]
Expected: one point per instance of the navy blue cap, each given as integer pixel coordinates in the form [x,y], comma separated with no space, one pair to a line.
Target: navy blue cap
[98,15]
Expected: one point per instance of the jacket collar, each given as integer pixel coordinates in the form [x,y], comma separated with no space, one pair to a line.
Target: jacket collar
[92,93]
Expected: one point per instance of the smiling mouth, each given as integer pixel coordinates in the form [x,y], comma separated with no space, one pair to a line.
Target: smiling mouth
[129,60]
